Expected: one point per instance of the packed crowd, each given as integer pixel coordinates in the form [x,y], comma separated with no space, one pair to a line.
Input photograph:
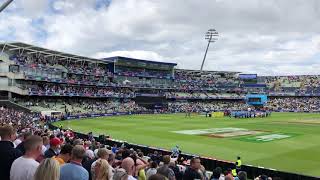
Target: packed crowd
[206,106]
[84,91]
[40,61]
[73,107]
[126,71]
[33,152]
[300,104]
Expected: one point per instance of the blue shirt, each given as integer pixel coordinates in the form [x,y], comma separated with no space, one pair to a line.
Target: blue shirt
[72,171]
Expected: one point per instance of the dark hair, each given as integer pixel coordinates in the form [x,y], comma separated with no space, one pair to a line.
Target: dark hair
[215,174]
[154,164]
[194,159]
[242,175]
[66,149]
[157,177]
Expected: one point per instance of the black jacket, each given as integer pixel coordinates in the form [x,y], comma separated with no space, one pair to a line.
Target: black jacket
[49,153]
[20,147]
[7,155]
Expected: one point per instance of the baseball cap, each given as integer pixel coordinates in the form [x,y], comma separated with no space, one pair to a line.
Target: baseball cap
[55,141]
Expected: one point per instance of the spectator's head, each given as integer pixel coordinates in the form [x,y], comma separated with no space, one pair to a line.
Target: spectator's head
[77,142]
[7,133]
[242,175]
[65,152]
[102,169]
[195,163]
[120,174]
[153,164]
[55,143]
[157,177]
[263,177]
[228,177]
[166,159]
[33,146]
[103,153]
[111,158]
[45,140]
[26,135]
[216,174]
[78,153]
[128,165]
[48,169]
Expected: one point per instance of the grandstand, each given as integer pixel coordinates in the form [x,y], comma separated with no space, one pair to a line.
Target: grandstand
[42,84]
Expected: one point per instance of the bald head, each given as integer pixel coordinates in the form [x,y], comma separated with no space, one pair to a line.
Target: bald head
[128,165]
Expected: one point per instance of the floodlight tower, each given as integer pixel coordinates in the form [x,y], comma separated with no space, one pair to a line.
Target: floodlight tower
[4,5]
[211,36]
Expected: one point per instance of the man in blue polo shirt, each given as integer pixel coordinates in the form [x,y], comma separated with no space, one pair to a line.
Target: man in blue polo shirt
[74,169]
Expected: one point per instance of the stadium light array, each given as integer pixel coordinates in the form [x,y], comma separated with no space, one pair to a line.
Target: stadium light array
[4,5]
[211,36]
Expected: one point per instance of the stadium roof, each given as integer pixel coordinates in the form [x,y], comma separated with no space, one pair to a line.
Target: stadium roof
[114,58]
[190,71]
[30,49]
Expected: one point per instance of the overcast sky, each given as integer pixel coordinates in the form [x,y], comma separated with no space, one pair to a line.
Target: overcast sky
[268,37]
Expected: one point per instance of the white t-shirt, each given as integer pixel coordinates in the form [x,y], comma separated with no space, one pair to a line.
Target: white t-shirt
[23,169]
[17,142]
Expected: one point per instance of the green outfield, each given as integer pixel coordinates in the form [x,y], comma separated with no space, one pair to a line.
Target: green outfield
[284,141]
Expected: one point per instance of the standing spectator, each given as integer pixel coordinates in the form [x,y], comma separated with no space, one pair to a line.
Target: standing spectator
[128,165]
[25,166]
[64,155]
[7,152]
[165,170]
[192,172]
[48,169]
[242,175]
[103,153]
[152,170]
[74,169]
[54,148]
[21,145]
[18,140]
[101,170]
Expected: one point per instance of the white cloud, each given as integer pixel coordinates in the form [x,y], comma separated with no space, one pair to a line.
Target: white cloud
[267,37]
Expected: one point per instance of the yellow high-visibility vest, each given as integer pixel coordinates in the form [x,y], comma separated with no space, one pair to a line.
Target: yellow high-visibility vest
[239,163]
[234,172]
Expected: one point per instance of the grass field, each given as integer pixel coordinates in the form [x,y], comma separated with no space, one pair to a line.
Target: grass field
[296,150]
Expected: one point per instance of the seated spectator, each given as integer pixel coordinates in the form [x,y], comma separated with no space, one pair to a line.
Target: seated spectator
[65,154]
[74,169]
[165,170]
[25,166]
[48,169]
[7,152]
[192,172]
[54,148]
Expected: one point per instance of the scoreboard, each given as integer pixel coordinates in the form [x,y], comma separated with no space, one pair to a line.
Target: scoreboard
[248,78]
[256,99]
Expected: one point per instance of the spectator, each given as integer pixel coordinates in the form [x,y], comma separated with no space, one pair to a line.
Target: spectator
[192,172]
[7,152]
[21,145]
[65,154]
[157,177]
[54,148]
[165,170]
[18,140]
[152,170]
[242,175]
[25,166]
[101,170]
[128,165]
[48,169]
[74,169]
[103,153]
[120,174]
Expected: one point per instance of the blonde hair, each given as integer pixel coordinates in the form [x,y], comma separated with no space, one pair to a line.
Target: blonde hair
[102,170]
[48,169]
